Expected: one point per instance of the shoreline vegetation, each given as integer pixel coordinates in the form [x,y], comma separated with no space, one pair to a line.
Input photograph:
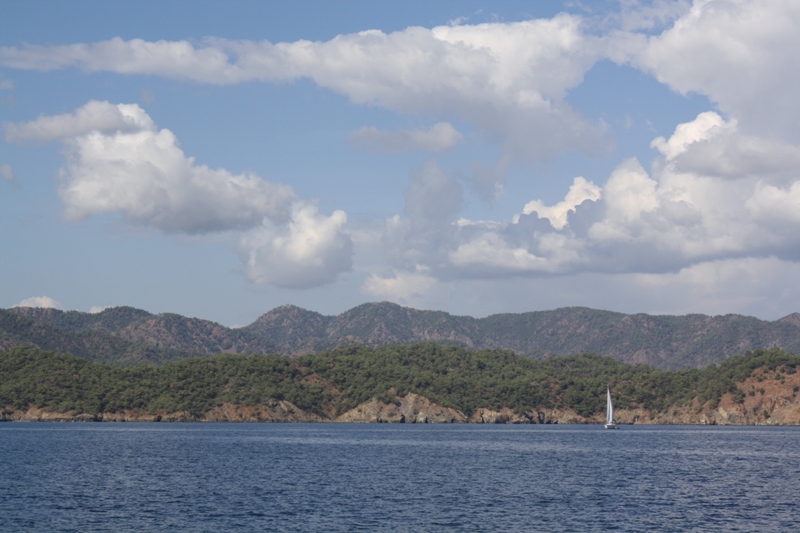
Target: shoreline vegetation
[415,383]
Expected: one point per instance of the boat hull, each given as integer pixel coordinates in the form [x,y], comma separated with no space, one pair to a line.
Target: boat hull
[611,426]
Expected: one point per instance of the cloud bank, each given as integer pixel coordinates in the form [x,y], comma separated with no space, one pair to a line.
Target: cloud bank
[691,208]
[507,80]
[720,198]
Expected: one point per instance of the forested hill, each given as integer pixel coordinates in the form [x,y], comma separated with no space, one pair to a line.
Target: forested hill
[423,382]
[124,335]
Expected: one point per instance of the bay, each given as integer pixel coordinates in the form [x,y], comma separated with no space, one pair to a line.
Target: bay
[378,477]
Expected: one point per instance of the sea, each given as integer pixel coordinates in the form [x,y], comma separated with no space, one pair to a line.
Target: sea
[395,477]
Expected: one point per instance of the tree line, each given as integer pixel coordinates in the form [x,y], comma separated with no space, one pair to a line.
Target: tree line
[332,382]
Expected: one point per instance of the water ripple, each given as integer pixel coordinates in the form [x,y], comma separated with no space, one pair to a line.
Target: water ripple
[341,477]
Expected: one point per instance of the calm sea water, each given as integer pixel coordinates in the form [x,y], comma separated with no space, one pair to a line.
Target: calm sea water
[341,477]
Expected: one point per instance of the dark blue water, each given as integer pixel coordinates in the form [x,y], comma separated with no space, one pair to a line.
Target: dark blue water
[341,477]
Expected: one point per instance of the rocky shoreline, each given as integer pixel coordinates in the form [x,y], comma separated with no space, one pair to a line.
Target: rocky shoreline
[765,402]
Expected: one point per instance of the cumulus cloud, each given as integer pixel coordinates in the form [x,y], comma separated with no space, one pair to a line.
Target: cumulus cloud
[402,287]
[762,286]
[711,146]
[687,210]
[101,117]
[40,301]
[734,52]
[580,191]
[119,161]
[702,128]
[440,137]
[6,172]
[723,188]
[310,250]
[779,204]
[508,80]
[492,252]
[433,199]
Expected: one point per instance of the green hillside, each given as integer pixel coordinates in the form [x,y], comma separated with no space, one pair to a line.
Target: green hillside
[331,383]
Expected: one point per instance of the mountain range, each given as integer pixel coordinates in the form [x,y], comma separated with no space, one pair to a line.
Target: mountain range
[126,336]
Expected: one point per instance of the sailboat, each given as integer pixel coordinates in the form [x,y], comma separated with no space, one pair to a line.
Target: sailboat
[609,411]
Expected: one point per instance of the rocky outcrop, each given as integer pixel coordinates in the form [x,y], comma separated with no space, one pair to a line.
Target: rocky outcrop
[503,416]
[769,399]
[273,411]
[411,409]
[538,416]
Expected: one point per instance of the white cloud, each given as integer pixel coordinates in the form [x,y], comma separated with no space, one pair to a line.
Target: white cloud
[628,194]
[689,210]
[507,79]
[580,191]
[40,301]
[491,251]
[740,53]
[100,117]
[765,287]
[723,195]
[97,309]
[758,286]
[772,203]
[401,287]
[441,137]
[432,199]
[178,59]
[665,220]
[711,146]
[702,128]
[6,172]
[119,161]
[310,250]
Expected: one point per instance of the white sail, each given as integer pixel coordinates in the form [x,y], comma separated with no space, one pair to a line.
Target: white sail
[609,411]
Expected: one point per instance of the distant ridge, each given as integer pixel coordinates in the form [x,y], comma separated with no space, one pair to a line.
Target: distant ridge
[793,318]
[125,335]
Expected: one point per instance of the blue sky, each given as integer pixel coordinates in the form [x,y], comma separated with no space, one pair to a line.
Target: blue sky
[220,159]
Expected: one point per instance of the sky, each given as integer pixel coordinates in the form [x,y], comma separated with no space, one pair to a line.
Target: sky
[220,159]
